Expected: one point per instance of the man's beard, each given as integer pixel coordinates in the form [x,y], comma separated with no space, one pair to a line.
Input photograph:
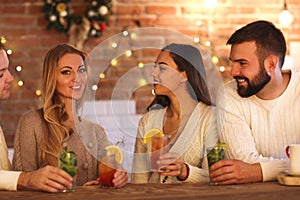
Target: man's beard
[258,82]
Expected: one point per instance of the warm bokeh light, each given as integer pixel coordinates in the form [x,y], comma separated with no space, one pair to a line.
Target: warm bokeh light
[114,62]
[38,92]
[114,45]
[141,65]
[3,40]
[125,33]
[133,36]
[20,83]
[128,53]
[211,4]
[215,59]
[102,76]
[9,51]
[286,18]
[94,87]
[196,39]
[222,69]
[18,68]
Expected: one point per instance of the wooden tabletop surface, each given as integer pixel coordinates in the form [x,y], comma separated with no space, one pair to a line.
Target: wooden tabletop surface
[185,191]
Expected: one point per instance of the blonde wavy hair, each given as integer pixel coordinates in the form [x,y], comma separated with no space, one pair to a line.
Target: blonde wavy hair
[54,112]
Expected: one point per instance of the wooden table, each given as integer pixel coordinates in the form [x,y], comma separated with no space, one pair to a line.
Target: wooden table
[255,191]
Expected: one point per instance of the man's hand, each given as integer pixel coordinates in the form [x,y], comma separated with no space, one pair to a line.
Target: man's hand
[49,179]
[229,171]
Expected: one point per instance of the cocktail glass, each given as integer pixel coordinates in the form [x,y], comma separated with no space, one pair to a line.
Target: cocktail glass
[107,168]
[214,154]
[159,146]
[68,162]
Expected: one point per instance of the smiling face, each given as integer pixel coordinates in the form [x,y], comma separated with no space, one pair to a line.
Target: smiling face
[165,74]
[5,76]
[71,77]
[250,75]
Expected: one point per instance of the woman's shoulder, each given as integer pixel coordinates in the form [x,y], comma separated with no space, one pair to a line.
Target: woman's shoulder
[88,124]
[152,115]
[31,115]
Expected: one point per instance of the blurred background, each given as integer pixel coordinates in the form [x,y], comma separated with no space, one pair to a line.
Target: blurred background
[29,28]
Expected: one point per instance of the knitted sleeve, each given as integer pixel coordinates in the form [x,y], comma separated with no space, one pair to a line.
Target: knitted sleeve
[27,137]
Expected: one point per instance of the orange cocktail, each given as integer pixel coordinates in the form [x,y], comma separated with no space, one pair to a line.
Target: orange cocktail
[159,146]
[106,175]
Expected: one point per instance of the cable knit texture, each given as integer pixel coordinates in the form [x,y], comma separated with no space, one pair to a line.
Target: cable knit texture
[87,140]
[189,145]
[258,131]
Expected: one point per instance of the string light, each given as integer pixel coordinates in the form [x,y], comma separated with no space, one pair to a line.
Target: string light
[3,40]
[20,83]
[128,53]
[125,33]
[222,69]
[38,92]
[9,51]
[215,59]
[133,36]
[114,45]
[102,76]
[141,65]
[196,39]
[114,62]
[94,87]
[18,68]
[285,17]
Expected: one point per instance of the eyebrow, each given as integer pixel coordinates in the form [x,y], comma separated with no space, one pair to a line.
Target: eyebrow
[163,63]
[238,60]
[83,65]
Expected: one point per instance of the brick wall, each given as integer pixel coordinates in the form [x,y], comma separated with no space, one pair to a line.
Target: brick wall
[22,23]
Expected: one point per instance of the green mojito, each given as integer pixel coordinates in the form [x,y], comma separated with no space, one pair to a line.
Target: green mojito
[68,163]
[214,154]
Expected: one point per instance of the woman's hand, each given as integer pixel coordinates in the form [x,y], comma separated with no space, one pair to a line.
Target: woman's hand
[120,178]
[172,165]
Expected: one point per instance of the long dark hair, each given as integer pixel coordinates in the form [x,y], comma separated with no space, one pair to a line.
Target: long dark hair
[189,60]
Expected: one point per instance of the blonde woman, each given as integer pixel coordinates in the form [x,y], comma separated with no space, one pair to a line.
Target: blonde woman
[41,134]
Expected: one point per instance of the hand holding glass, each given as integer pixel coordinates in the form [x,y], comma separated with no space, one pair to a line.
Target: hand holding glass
[68,162]
[215,154]
[159,146]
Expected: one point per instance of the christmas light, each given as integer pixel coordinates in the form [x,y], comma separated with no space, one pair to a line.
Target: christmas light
[20,83]
[114,62]
[114,45]
[94,87]
[9,51]
[196,39]
[141,65]
[18,68]
[128,53]
[125,33]
[222,69]
[38,92]
[102,76]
